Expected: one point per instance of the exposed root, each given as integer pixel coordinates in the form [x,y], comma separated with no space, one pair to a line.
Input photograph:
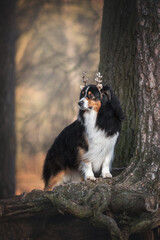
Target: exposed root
[103,221]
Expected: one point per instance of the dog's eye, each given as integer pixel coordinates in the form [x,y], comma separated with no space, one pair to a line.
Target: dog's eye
[82,93]
[91,96]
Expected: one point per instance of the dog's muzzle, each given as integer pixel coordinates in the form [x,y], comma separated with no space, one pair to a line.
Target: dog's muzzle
[80,103]
[83,104]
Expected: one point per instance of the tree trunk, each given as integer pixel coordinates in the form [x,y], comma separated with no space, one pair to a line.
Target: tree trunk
[133,68]
[7,134]
[117,65]
[145,162]
[139,59]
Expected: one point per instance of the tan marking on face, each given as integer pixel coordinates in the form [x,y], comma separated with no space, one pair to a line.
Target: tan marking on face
[55,180]
[94,104]
[91,95]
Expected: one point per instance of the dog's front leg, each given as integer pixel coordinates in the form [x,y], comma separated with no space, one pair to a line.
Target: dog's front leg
[106,166]
[87,171]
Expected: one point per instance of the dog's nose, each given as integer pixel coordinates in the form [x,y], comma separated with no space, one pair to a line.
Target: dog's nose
[80,103]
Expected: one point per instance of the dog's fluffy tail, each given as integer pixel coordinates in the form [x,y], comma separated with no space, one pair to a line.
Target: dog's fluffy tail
[46,173]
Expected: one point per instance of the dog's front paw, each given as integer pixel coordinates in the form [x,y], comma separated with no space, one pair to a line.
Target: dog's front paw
[92,178]
[106,175]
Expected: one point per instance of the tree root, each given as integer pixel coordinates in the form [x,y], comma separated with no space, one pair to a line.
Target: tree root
[110,207]
[103,221]
[64,205]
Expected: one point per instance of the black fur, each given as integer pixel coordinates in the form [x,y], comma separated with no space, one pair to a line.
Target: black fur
[110,114]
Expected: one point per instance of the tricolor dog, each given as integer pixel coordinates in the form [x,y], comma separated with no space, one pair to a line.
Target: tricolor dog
[86,146]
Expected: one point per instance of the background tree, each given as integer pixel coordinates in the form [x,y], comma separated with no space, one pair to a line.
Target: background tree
[129,203]
[56,43]
[7,131]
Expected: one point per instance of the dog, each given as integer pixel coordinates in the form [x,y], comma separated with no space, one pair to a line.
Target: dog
[86,146]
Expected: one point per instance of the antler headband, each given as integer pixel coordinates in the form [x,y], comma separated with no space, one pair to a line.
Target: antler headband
[84,80]
[98,79]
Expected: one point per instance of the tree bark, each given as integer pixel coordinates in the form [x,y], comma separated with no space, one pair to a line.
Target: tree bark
[117,65]
[142,105]
[7,133]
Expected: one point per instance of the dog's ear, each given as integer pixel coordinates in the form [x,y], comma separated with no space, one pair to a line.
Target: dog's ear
[106,93]
[99,86]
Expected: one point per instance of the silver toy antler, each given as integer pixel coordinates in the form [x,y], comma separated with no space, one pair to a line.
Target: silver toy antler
[98,79]
[84,80]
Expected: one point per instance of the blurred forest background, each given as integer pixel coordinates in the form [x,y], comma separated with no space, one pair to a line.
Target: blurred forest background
[57,40]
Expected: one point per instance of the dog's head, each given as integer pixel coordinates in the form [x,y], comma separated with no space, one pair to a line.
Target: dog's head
[92,97]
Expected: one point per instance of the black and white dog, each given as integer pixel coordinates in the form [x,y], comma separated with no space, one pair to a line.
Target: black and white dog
[87,145]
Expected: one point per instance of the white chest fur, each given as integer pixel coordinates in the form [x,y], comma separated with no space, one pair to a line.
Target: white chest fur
[100,147]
